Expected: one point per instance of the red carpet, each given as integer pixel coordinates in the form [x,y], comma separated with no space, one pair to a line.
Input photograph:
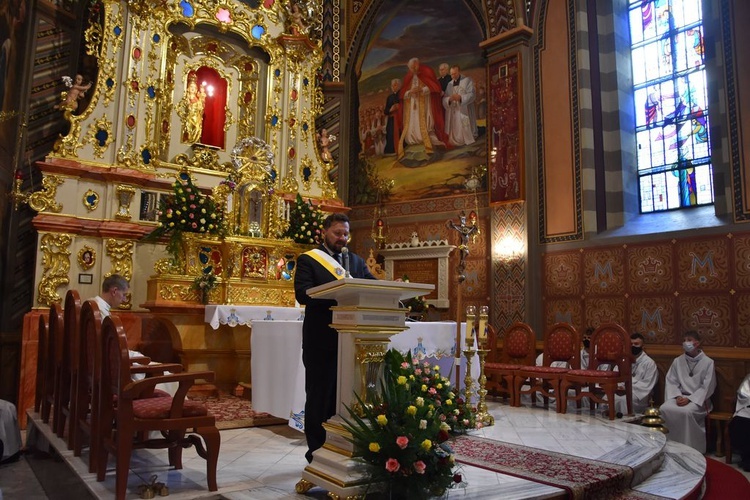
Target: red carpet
[724,482]
[232,412]
[581,477]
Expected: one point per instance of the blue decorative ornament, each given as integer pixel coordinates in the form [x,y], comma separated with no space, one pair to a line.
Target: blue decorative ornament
[274,120]
[101,137]
[151,91]
[187,9]
[118,31]
[277,73]
[156,38]
[184,176]
[257,31]
[146,155]
[109,83]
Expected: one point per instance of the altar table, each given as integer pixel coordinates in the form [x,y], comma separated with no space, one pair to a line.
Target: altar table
[223,314]
[278,375]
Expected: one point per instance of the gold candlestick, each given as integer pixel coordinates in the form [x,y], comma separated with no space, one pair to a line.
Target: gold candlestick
[468,381]
[482,413]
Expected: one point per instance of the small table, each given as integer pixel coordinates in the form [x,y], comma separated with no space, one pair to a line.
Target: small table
[221,314]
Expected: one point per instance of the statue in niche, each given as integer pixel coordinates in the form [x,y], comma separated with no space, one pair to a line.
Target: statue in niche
[77,91]
[325,140]
[191,109]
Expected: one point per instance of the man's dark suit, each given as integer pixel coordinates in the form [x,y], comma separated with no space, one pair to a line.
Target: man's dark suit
[320,344]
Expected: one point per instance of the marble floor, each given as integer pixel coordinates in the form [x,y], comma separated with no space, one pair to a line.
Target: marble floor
[266,462]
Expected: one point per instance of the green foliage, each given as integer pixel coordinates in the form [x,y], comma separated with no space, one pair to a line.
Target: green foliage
[305,222]
[403,436]
[187,210]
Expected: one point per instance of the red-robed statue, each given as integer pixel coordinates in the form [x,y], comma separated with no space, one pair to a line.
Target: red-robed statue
[422,118]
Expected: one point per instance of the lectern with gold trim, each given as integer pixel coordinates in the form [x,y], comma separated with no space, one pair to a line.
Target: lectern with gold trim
[366,316]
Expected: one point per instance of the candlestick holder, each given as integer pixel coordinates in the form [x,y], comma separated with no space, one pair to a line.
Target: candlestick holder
[468,381]
[482,414]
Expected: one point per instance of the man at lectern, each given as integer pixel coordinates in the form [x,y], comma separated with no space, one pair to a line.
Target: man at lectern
[330,261]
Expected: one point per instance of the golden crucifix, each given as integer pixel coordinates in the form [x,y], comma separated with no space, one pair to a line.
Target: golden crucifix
[465,231]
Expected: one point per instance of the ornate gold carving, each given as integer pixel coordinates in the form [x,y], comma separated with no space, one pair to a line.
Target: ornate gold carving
[124,197]
[44,200]
[121,256]
[56,265]
[86,257]
[165,266]
[327,186]
[203,157]
[96,136]
[369,355]
[91,200]
[307,173]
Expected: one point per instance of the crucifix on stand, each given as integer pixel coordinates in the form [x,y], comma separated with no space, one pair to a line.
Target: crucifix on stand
[464,231]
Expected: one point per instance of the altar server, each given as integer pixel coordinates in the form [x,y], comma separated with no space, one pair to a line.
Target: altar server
[739,427]
[644,375]
[329,262]
[10,434]
[687,394]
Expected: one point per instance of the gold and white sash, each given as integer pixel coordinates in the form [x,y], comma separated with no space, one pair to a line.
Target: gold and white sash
[327,261]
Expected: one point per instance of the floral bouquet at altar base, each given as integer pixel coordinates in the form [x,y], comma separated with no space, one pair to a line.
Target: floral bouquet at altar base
[187,210]
[305,222]
[204,283]
[403,437]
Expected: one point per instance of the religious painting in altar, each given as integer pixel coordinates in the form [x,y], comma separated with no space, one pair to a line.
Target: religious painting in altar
[505,143]
[421,128]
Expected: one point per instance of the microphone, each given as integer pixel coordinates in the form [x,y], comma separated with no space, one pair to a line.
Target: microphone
[345,258]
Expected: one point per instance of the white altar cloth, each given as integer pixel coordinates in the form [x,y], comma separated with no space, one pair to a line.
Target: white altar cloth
[220,314]
[278,375]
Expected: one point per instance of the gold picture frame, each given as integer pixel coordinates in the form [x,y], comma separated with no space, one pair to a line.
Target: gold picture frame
[86,258]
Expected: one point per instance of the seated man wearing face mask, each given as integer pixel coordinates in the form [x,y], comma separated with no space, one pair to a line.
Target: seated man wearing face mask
[644,375]
[688,388]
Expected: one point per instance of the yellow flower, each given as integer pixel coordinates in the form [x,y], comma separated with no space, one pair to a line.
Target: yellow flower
[426,445]
[401,380]
[411,410]
[448,402]
[420,401]
[374,447]
[440,386]
[436,368]
[424,388]
[382,420]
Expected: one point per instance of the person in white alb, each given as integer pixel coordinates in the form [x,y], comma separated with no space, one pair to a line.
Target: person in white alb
[460,115]
[688,388]
[644,375]
[114,292]
[10,433]
[739,427]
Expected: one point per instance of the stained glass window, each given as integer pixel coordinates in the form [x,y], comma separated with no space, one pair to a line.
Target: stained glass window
[671,104]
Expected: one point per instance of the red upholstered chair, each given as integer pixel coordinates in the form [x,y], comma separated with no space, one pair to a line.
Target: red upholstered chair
[562,346]
[519,348]
[41,362]
[610,345]
[134,416]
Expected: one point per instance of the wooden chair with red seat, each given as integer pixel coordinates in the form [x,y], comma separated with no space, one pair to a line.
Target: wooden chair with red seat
[562,348]
[68,381]
[41,362]
[610,346]
[53,357]
[519,349]
[137,416]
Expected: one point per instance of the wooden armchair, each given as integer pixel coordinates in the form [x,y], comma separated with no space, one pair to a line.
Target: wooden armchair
[68,367]
[135,416]
[562,352]
[610,345]
[519,348]
[41,362]
[53,358]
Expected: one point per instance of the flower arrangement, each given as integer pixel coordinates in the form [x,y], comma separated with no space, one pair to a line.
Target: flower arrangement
[204,283]
[403,436]
[414,304]
[305,222]
[187,210]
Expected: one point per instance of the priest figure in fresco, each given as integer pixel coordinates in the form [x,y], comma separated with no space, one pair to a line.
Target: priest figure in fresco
[422,110]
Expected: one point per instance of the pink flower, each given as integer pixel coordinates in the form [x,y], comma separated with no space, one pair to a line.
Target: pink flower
[432,390]
[402,442]
[404,365]
[392,465]
[192,197]
[194,225]
[419,466]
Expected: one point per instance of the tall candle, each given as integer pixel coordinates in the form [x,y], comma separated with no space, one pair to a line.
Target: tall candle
[483,314]
[471,312]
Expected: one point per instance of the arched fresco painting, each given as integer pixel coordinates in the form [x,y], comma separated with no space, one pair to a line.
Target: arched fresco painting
[422,101]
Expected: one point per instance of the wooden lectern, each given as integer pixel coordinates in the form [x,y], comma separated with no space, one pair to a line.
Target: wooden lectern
[366,316]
